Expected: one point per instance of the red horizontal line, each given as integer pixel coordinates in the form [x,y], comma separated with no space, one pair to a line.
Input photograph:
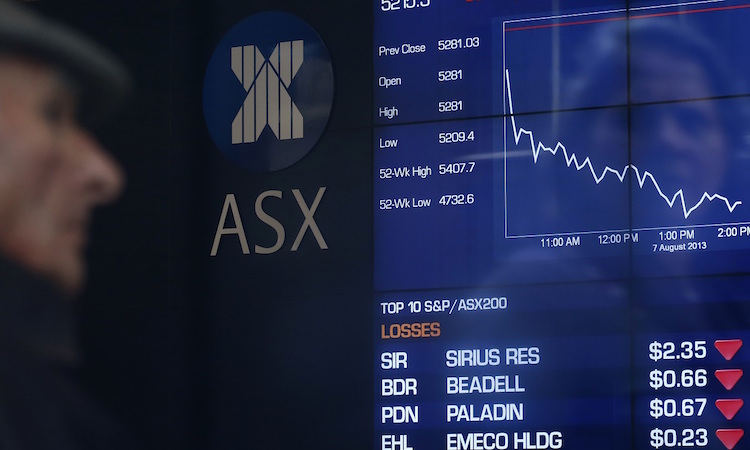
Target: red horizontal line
[566,24]
[641,16]
[692,11]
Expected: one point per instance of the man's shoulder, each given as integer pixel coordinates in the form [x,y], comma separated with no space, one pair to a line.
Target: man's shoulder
[43,407]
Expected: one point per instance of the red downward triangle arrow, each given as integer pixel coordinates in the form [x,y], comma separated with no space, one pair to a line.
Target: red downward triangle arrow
[728,377]
[730,437]
[729,407]
[728,347]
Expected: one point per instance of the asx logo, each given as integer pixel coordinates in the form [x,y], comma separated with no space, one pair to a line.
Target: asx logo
[273,72]
[267,82]
[235,227]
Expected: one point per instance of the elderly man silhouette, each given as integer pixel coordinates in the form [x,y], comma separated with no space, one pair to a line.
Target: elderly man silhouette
[53,85]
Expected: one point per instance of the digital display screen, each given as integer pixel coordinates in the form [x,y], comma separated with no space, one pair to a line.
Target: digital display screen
[561,224]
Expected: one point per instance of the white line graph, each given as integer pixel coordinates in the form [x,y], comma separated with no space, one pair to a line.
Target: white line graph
[571,159]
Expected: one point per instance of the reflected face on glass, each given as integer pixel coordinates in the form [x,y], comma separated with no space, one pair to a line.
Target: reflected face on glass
[52,173]
[685,140]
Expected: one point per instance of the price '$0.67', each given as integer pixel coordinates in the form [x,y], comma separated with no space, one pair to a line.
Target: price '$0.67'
[670,407]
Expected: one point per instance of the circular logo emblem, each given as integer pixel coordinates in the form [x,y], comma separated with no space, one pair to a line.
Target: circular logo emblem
[268,91]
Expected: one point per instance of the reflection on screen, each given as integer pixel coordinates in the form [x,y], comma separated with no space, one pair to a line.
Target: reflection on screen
[562,224]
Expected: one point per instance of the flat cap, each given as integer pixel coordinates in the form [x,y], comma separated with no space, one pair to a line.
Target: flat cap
[102,81]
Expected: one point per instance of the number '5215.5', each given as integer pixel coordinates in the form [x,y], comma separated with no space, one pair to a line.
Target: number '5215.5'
[394,5]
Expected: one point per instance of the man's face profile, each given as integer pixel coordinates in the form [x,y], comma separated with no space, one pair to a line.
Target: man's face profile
[52,173]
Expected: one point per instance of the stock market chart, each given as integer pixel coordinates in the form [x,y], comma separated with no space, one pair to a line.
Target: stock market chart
[562,224]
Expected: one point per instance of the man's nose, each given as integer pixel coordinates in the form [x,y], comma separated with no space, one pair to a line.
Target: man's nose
[102,176]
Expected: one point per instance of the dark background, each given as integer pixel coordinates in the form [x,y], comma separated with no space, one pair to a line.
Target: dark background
[233,351]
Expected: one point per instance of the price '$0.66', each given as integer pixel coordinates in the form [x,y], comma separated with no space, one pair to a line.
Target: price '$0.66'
[670,379]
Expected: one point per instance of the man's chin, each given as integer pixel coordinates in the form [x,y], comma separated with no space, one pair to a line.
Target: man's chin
[69,277]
